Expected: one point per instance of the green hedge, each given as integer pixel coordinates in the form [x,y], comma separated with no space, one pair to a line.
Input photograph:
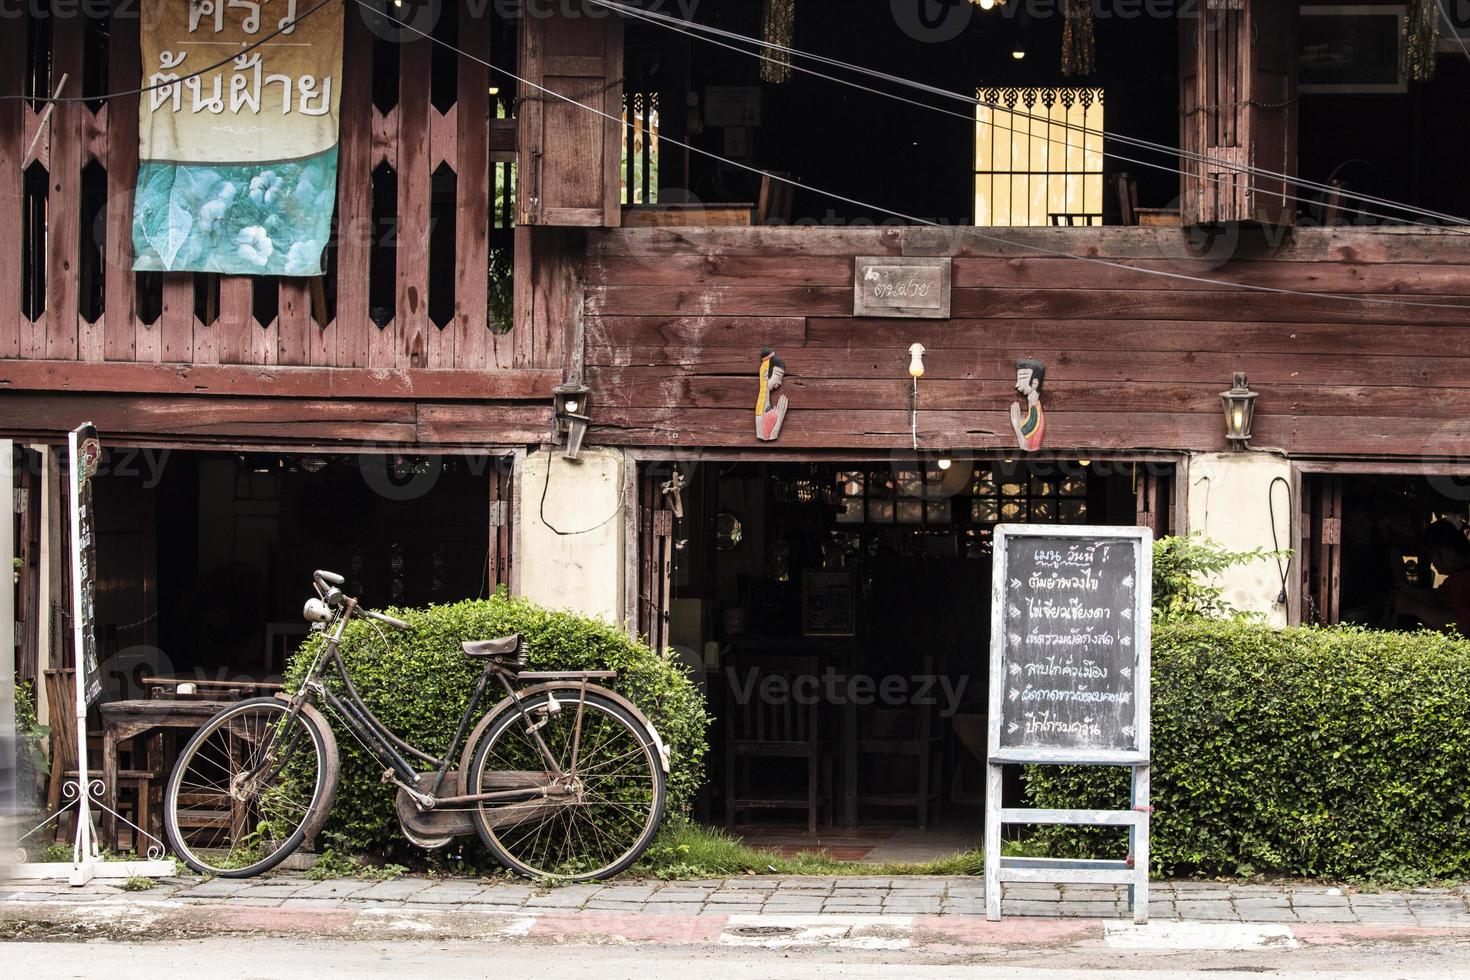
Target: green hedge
[1334,753]
[419,684]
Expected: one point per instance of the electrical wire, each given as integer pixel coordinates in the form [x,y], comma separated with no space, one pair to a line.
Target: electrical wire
[912,219]
[546,485]
[972,120]
[1281,568]
[968,100]
[109,96]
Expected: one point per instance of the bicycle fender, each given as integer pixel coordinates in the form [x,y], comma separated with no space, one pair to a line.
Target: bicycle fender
[508,705]
[332,762]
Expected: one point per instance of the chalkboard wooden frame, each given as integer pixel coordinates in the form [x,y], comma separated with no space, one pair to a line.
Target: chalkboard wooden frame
[1142,638]
[1133,870]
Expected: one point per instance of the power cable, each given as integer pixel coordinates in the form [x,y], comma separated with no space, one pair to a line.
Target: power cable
[1048,138]
[968,100]
[1283,598]
[912,219]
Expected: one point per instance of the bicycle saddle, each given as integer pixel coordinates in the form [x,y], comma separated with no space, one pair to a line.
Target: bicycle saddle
[504,649]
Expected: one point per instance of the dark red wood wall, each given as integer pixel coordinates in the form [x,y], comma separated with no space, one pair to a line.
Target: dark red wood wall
[676,318]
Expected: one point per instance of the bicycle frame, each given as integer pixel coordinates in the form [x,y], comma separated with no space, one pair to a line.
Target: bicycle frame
[392,751]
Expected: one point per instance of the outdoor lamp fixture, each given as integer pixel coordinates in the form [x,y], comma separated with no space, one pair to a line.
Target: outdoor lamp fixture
[1240,407]
[570,401]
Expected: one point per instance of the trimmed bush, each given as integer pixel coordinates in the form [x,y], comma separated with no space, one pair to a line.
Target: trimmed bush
[418,682]
[1336,753]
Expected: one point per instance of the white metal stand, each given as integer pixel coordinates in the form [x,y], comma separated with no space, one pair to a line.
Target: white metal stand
[85,792]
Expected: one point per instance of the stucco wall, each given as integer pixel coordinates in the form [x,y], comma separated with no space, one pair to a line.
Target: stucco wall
[1230,502]
[582,572]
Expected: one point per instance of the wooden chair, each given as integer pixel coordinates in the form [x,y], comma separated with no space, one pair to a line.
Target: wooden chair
[786,726]
[61,695]
[775,201]
[905,735]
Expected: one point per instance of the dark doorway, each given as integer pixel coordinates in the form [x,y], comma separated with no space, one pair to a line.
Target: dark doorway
[838,614]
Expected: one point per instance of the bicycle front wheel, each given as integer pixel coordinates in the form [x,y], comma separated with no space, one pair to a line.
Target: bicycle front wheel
[593,821]
[245,789]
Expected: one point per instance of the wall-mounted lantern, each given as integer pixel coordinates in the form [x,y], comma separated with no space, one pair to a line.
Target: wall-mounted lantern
[1240,407]
[570,402]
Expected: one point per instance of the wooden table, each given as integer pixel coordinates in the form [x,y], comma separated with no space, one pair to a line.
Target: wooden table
[687,215]
[123,721]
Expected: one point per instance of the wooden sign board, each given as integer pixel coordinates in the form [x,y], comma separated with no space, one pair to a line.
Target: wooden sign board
[892,286]
[1069,685]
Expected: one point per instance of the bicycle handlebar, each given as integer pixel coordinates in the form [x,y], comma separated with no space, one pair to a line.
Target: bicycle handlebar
[380,617]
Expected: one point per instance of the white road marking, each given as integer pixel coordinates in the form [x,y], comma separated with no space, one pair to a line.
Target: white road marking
[1199,935]
[774,931]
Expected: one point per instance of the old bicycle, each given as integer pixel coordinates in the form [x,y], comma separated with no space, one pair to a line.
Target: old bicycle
[561,778]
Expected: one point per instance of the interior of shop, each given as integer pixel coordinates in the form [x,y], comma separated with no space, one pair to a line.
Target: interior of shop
[1390,551]
[205,558]
[1367,125]
[838,615]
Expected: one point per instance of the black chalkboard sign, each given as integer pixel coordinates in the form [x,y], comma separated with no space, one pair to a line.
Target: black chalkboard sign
[1069,644]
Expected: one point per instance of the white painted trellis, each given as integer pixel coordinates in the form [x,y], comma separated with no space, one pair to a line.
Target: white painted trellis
[1132,871]
[85,792]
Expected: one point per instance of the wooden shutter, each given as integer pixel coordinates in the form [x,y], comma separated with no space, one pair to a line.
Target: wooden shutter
[655,557]
[1237,99]
[1322,543]
[568,169]
[1151,499]
[501,525]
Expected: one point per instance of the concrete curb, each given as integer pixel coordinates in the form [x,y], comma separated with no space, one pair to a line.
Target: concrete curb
[155,920]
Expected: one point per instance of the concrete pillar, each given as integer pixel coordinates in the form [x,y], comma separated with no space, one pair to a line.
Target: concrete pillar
[1230,502]
[8,552]
[581,568]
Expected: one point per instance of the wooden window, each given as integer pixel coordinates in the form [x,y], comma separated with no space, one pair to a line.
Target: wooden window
[1039,156]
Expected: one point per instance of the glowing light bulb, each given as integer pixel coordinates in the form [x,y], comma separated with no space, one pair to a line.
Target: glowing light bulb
[916,361]
[1018,54]
[945,463]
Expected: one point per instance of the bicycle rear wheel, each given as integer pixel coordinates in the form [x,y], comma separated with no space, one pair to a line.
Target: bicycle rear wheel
[599,817]
[246,787]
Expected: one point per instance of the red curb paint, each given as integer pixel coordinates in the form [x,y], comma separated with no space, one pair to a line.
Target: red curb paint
[1012,931]
[1330,935]
[630,927]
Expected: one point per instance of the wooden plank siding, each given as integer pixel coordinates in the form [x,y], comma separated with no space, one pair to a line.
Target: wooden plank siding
[292,354]
[675,319]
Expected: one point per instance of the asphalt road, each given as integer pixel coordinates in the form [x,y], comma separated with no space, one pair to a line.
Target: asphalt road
[318,959]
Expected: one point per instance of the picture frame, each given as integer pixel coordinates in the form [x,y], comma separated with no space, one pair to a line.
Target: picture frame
[828,604]
[1352,49]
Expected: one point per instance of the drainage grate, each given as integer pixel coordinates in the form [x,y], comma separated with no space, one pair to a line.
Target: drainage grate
[762,932]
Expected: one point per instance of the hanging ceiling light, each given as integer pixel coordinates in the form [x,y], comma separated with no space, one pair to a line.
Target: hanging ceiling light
[988,4]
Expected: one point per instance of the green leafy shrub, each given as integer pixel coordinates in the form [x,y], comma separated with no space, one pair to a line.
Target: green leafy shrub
[30,746]
[418,683]
[1336,753]
[1185,577]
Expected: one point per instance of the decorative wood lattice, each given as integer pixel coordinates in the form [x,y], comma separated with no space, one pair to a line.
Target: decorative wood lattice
[88,305]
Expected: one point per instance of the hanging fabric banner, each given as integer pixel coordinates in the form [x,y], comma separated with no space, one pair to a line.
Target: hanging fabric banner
[237,166]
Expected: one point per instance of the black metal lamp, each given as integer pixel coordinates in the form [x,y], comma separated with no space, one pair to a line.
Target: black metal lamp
[570,401]
[1240,408]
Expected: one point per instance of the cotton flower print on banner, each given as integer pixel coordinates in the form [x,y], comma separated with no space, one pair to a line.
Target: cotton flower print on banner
[254,245]
[236,219]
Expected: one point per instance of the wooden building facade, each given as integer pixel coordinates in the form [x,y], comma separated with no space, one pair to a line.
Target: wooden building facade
[500,230]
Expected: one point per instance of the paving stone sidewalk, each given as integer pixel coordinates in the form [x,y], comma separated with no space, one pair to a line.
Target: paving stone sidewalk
[917,896]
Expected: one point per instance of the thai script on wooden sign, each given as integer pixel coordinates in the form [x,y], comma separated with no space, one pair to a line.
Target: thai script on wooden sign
[901,287]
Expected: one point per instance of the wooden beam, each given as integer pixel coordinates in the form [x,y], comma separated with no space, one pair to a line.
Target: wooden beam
[276,382]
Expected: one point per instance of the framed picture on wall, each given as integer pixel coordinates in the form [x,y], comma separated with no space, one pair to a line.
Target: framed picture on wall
[1352,49]
[827,604]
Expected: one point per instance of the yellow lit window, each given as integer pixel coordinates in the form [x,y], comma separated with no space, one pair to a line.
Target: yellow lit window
[1039,156]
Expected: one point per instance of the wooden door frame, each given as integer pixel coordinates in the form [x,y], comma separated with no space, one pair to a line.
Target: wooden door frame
[634,457]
